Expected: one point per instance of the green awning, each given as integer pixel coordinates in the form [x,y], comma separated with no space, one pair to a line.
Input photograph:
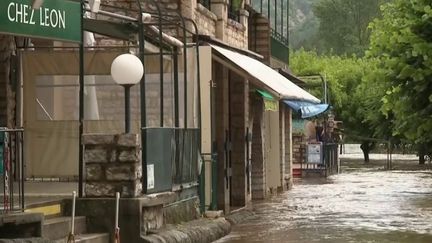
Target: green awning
[264,94]
[270,103]
[123,31]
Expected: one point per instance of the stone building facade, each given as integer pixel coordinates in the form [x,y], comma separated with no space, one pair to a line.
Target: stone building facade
[239,122]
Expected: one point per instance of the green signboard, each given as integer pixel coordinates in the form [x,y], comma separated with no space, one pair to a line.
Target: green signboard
[56,19]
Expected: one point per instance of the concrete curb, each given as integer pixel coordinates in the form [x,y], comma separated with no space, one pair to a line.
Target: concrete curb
[196,231]
[26,240]
[199,231]
[240,216]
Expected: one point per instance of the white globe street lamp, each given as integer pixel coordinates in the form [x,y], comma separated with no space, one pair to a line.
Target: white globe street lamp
[127,70]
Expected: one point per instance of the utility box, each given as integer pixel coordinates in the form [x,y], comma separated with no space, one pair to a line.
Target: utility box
[314,153]
[159,158]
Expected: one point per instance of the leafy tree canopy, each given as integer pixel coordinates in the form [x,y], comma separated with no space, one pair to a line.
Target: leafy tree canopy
[354,94]
[402,42]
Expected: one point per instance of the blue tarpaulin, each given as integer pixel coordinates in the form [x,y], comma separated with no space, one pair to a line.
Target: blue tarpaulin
[305,108]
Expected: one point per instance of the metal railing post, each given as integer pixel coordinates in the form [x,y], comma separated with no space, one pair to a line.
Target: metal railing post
[81,107]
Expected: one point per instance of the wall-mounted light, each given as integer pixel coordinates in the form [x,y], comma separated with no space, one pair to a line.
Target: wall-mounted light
[36,4]
[127,70]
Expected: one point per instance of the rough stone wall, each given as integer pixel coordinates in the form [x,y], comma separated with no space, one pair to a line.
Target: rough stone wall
[236,34]
[112,164]
[151,218]
[259,36]
[7,95]
[215,22]
[179,212]
[298,148]
[205,21]
[258,163]
[239,88]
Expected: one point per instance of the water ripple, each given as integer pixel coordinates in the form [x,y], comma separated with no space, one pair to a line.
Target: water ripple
[364,205]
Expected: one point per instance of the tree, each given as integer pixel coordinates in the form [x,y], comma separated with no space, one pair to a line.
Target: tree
[343,75]
[402,42]
[356,91]
[344,24]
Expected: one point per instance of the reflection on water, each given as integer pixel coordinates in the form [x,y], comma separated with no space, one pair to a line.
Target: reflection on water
[364,205]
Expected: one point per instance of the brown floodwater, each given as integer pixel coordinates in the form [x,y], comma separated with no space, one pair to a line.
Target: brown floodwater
[360,205]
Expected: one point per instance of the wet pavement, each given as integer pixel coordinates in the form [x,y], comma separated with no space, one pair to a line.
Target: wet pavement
[363,204]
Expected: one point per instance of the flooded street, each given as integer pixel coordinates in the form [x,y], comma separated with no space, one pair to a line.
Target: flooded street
[363,204]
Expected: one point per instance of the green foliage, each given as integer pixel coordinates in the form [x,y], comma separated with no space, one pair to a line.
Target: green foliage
[355,89]
[402,42]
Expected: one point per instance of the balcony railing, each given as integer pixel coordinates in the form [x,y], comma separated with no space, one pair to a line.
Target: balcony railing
[174,155]
[331,158]
[11,170]
[279,46]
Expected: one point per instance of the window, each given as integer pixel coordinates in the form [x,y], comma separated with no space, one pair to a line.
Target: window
[234,9]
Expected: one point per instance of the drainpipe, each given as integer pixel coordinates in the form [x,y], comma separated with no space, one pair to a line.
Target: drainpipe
[81,107]
[143,117]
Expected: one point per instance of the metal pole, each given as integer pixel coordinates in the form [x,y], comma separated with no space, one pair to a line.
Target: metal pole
[282,16]
[288,7]
[176,109]
[268,11]
[142,102]
[275,18]
[261,6]
[325,88]
[22,179]
[73,212]
[388,154]
[127,107]
[161,75]
[81,108]
[71,237]
[185,79]
[176,88]
[214,179]
[117,210]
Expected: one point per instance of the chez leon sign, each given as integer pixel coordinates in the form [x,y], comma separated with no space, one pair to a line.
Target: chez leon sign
[56,19]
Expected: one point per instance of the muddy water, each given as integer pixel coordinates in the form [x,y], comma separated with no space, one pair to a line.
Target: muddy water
[361,205]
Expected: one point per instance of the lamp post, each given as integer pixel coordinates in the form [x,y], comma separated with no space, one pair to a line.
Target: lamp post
[127,70]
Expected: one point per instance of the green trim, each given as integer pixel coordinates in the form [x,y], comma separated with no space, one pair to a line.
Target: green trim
[123,31]
[55,20]
[264,94]
[279,47]
[202,179]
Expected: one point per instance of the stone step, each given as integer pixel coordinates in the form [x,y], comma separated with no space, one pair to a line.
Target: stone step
[59,227]
[88,238]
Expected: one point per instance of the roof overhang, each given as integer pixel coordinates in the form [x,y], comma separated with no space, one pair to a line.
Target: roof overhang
[263,75]
[306,109]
